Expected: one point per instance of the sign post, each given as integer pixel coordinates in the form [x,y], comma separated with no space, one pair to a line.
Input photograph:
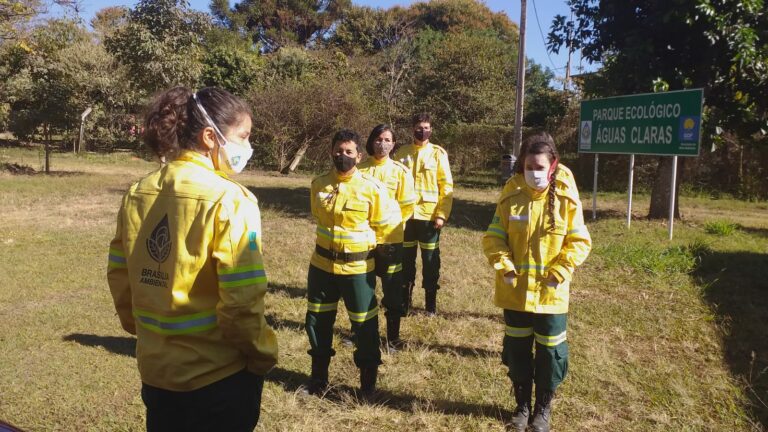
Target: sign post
[664,124]
[629,189]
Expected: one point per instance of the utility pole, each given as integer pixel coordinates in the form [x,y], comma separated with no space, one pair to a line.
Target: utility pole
[568,64]
[518,138]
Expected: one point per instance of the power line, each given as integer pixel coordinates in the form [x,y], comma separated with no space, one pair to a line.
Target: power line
[541,32]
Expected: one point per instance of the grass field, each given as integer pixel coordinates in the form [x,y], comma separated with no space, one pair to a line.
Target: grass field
[664,336]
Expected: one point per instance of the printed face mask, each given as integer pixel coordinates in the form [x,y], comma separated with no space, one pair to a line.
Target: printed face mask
[232,156]
[382,148]
[536,180]
[344,163]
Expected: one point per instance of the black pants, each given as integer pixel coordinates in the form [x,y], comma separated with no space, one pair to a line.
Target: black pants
[231,404]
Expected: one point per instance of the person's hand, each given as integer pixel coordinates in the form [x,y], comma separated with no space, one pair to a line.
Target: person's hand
[439,222]
[509,277]
[552,281]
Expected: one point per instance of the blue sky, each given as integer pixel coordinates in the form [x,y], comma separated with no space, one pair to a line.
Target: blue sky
[534,45]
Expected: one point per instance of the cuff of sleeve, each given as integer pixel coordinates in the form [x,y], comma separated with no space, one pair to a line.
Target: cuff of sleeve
[505,265]
[261,366]
[560,273]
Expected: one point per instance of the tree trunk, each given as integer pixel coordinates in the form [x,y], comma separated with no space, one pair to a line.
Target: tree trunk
[296,159]
[660,193]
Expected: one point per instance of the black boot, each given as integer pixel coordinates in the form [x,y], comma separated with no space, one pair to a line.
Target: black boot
[318,381]
[542,411]
[407,297]
[430,301]
[368,377]
[522,392]
[394,343]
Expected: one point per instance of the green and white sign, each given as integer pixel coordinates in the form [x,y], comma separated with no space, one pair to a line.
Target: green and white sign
[666,124]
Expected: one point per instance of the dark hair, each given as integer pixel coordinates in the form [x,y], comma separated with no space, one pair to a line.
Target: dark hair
[345,135]
[375,133]
[540,143]
[173,119]
[421,118]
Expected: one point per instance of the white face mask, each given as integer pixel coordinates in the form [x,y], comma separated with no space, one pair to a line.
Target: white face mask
[536,180]
[232,156]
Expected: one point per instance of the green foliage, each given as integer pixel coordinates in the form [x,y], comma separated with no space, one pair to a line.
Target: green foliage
[161,44]
[651,258]
[720,227]
[279,23]
[231,62]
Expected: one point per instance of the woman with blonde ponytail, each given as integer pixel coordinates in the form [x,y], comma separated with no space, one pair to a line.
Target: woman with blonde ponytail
[535,241]
[186,271]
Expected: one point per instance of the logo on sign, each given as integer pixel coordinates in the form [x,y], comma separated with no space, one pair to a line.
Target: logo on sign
[585,135]
[689,128]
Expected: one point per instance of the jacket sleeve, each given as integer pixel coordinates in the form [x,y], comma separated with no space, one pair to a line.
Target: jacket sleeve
[385,217]
[117,278]
[577,242]
[495,240]
[243,286]
[444,187]
[406,195]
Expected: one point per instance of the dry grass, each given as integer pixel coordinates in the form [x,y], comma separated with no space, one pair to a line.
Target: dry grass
[656,344]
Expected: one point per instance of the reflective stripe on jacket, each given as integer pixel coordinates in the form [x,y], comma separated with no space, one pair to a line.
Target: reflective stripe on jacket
[520,238]
[432,179]
[187,276]
[354,214]
[399,182]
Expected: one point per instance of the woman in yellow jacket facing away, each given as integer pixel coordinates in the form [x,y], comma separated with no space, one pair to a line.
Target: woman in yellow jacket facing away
[186,270]
[535,241]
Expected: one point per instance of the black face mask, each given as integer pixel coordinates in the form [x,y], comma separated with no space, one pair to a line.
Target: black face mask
[422,135]
[344,163]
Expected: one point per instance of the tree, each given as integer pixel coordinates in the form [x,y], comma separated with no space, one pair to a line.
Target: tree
[109,20]
[162,44]
[231,62]
[278,23]
[720,46]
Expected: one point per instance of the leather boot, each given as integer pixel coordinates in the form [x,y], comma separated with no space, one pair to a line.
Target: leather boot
[394,343]
[407,297]
[318,381]
[542,410]
[430,301]
[368,377]
[522,392]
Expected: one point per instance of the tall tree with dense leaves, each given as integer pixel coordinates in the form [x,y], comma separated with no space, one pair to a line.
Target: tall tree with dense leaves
[162,44]
[277,23]
[659,45]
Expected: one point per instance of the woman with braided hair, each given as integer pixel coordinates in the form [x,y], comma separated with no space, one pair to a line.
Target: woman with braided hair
[535,241]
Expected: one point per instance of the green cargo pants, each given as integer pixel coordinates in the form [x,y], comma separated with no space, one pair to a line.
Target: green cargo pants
[550,365]
[390,269]
[422,233]
[359,292]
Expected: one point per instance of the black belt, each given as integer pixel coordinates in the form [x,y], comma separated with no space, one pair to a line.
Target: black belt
[343,256]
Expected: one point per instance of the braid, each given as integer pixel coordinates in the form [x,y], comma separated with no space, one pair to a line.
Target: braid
[551,199]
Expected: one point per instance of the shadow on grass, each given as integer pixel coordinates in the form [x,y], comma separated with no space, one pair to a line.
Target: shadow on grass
[293,380]
[290,291]
[762,232]
[122,345]
[473,215]
[461,351]
[736,286]
[294,201]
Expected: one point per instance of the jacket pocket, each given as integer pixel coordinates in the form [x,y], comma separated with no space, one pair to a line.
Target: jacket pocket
[355,213]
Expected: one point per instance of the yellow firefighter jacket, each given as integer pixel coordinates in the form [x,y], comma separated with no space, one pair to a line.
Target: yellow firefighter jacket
[354,213]
[399,182]
[187,276]
[432,179]
[520,239]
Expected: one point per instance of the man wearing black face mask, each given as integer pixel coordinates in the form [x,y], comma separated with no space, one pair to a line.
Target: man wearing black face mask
[354,214]
[434,187]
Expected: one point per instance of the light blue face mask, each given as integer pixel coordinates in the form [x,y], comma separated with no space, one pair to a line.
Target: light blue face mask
[232,156]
